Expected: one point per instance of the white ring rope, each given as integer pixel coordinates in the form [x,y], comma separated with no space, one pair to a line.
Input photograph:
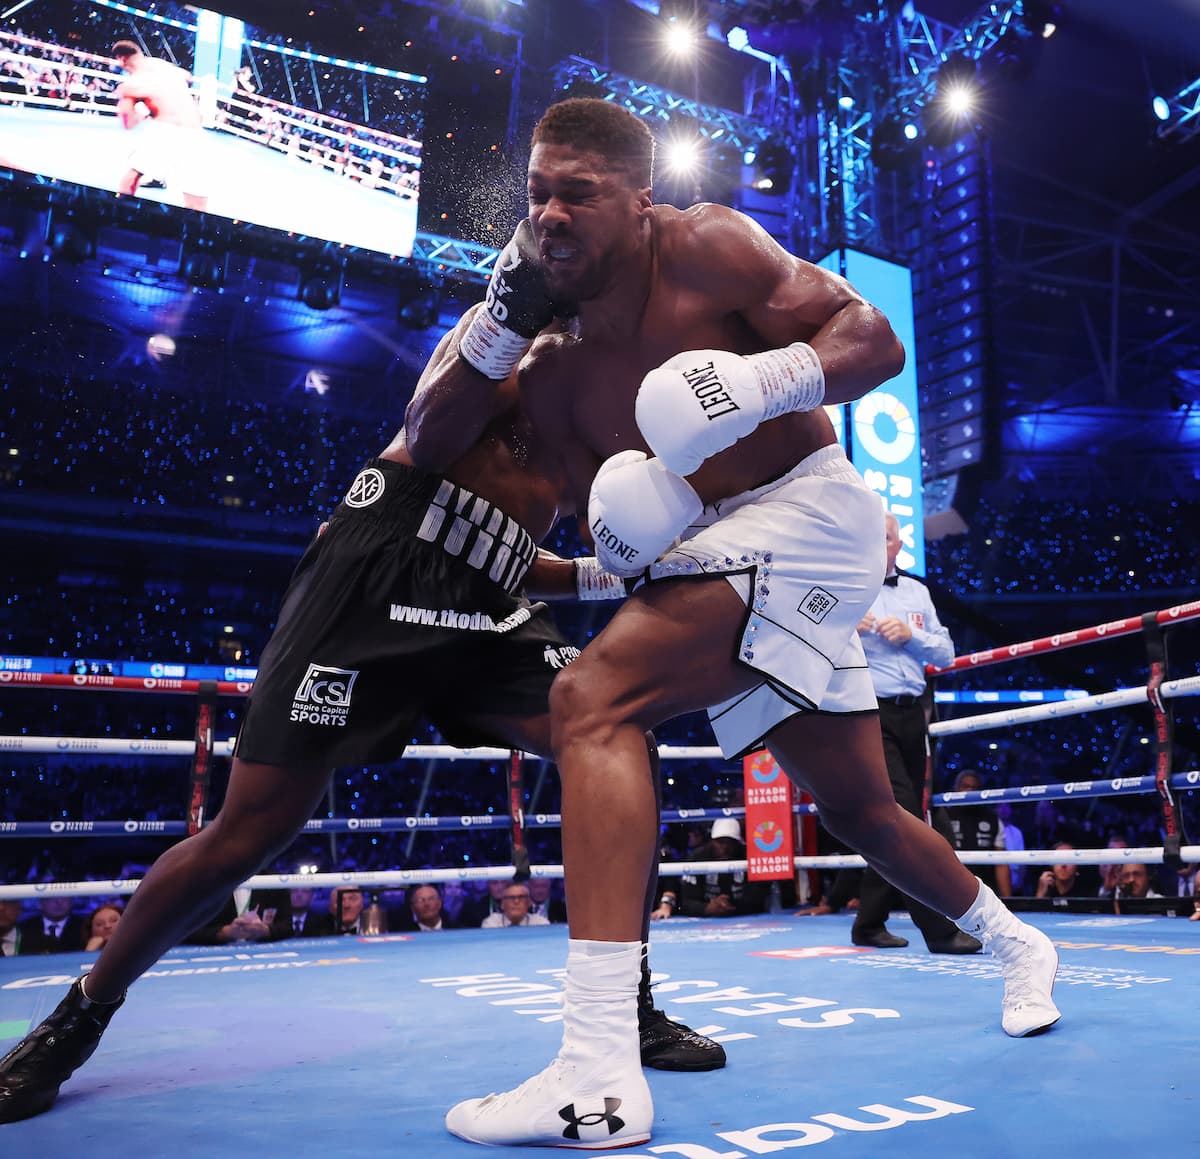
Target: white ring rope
[1187,686]
[385,878]
[114,746]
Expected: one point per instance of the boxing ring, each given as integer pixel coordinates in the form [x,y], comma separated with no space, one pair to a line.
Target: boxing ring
[270,164]
[356,1046]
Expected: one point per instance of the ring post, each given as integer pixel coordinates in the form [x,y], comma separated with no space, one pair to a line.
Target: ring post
[1156,649]
[516,813]
[200,779]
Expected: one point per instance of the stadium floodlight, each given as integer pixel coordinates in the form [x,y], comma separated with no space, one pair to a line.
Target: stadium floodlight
[959,100]
[680,38]
[682,157]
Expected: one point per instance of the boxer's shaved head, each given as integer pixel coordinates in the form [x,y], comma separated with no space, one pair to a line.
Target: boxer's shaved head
[593,126]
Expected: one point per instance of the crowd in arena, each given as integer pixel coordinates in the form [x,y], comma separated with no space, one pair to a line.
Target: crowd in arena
[246,469]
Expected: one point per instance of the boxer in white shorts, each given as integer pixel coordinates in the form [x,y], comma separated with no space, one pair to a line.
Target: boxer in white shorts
[156,102]
[680,370]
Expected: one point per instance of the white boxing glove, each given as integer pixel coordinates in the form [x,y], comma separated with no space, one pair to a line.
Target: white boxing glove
[636,510]
[702,401]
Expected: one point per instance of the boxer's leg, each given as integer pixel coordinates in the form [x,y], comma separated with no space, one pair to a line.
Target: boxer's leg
[650,664]
[265,807]
[665,1043]
[838,758]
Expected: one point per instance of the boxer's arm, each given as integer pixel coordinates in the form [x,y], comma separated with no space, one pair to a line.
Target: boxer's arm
[785,299]
[452,405]
[583,578]
[127,111]
[819,342]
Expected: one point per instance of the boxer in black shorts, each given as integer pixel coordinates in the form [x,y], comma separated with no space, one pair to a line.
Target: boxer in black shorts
[410,604]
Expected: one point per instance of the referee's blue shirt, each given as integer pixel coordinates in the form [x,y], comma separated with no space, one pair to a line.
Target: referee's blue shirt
[901,671]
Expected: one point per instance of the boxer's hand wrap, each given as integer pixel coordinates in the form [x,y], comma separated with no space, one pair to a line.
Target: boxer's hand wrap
[637,509]
[592,582]
[517,308]
[702,401]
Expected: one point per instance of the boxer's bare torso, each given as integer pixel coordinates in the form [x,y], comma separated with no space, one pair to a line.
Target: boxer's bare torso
[165,91]
[578,385]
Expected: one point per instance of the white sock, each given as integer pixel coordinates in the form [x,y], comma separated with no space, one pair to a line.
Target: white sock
[986,916]
[612,966]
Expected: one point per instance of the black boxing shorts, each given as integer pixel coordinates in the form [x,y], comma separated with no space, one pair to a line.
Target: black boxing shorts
[408,606]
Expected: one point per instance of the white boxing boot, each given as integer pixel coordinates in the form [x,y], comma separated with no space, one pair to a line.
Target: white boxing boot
[593,1096]
[1028,960]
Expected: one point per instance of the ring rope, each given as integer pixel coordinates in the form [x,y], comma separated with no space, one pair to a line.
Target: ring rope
[1059,641]
[132,827]
[383,878]
[1186,686]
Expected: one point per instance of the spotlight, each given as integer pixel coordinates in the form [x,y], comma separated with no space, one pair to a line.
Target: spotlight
[738,39]
[321,283]
[203,267]
[773,170]
[319,291]
[71,239]
[682,157]
[1042,17]
[1162,108]
[680,38]
[947,116]
[891,145]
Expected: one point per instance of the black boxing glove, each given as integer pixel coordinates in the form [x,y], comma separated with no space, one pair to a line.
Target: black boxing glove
[517,308]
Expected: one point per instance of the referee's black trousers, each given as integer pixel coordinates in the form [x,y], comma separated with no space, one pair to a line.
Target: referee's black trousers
[905,742]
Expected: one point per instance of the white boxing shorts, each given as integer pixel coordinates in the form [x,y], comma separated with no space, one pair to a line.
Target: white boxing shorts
[806,553]
[172,153]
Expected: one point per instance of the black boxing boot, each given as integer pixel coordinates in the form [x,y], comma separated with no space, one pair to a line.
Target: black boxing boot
[32,1072]
[669,1045]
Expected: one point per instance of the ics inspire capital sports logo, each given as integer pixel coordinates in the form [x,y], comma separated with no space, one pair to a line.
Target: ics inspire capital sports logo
[323,696]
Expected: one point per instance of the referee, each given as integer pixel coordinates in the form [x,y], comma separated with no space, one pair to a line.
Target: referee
[900,635]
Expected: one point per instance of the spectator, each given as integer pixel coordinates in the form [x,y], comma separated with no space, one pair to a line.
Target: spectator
[900,635]
[99,926]
[10,933]
[1136,882]
[248,916]
[722,895]
[978,827]
[345,910]
[1110,872]
[477,909]
[54,929]
[516,906]
[546,900]
[305,923]
[455,896]
[424,912]
[1013,839]
[1062,880]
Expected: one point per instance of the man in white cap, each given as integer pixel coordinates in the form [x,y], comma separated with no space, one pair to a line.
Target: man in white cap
[721,895]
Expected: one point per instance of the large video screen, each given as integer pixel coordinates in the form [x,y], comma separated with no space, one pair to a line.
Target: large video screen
[186,106]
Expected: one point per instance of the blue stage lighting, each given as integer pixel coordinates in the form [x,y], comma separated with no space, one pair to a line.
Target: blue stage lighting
[911,132]
[748,158]
[1162,108]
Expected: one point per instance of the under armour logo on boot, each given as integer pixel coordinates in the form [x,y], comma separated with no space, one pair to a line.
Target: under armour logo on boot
[574,1121]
